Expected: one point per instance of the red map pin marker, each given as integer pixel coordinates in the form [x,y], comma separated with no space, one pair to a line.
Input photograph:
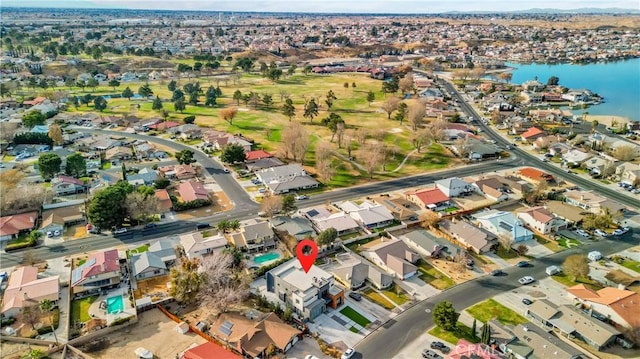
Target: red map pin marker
[306,260]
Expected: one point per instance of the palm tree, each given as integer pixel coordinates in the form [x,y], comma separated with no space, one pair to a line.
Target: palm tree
[46,306]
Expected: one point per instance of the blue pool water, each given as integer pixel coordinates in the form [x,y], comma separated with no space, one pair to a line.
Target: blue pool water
[115,304]
[266,257]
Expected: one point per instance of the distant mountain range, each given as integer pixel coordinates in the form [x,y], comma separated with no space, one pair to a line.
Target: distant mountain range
[584,10]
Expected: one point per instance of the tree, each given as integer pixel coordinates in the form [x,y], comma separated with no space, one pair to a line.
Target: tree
[577,266]
[237,96]
[371,97]
[49,165]
[157,104]
[419,138]
[145,91]
[189,119]
[114,83]
[228,114]
[221,285]
[486,334]
[76,166]
[553,81]
[445,316]
[324,164]
[371,157]
[99,103]
[310,110]
[55,133]
[271,205]
[474,329]
[505,76]
[289,204]
[295,142]
[179,105]
[127,93]
[429,219]
[233,153]
[267,99]
[405,85]
[390,105]
[107,207]
[186,281]
[415,115]
[288,109]
[193,98]
[33,118]
[402,112]
[46,306]
[172,85]
[625,152]
[93,83]
[594,124]
[140,206]
[330,98]
[31,315]
[327,236]
[522,249]
[35,354]
[185,157]
[177,94]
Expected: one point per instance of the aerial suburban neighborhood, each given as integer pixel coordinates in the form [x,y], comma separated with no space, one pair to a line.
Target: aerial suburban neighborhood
[469,181]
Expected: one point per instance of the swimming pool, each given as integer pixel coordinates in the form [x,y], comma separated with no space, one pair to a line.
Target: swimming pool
[115,305]
[266,257]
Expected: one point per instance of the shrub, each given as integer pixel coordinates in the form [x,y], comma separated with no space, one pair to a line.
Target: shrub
[181,206]
[7,321]
[262,270]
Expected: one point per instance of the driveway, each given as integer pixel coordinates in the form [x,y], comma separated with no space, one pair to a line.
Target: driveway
[544,288]
[535,249]
[304,347]
[333,332]
[417,288]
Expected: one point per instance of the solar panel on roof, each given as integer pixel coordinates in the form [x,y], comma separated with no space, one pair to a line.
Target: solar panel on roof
[225,328]
[312,213]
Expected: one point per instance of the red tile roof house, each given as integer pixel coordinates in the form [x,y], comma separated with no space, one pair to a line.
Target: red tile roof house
[532,134]
[432,198]
[535,175]
[192,191]
[257,155]
[209,350]
[66,185]
[164,125]
[101,271]
[24,289]
[13,226]
[619,305]
[165,204]
[185,172]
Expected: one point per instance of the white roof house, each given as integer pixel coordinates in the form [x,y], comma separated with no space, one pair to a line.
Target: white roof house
[454,186]
[195,245]
[371,215]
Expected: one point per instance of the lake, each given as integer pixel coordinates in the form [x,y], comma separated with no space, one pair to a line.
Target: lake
[618,82]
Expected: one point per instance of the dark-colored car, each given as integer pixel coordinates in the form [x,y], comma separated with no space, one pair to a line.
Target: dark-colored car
[527,301]
[150,225]
[523,264]
[203,226]
[441,347]
[497,272]
[430,354]
[356,296]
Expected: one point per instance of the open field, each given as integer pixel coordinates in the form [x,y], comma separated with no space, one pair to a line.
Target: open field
[153,331]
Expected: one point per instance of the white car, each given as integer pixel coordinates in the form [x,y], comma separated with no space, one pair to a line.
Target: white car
[348,354]
[583,233]
[301,196]
[120,230]
[56,233]
[620,231]
[526,280]
[600,233]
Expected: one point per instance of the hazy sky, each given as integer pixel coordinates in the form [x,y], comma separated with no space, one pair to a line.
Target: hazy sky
[343,6]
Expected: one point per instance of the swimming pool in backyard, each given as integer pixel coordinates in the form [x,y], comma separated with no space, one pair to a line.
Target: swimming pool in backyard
[266,257]
[115,305]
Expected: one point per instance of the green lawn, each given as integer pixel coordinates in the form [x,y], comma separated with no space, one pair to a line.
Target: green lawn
[80,309]
[434,277]
[399,298]
[568,242]
[552,245]
[633,265]
[355,316]
[491,309]
[568,281]
[353,329]
[354,246]
[504,254]
[141,249]
[462,332]
[378,298]
[106,166]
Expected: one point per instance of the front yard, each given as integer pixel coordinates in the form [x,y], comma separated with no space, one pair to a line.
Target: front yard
[355,316]
[396,294]
[378,298]
[569,282]
[80,309]
[568,242]
[462,332]
[491,309]
[434,277]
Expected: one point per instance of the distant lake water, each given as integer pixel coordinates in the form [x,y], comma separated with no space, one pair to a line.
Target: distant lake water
[618,82]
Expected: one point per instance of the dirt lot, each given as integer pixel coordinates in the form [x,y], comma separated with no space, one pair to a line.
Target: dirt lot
[157,285]
[9,350]
[155,332]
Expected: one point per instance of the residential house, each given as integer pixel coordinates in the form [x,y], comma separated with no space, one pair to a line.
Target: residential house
[559,148]
[591,201]
[308,293]
[568,213]
[527,342]
[27,150]
[432,198]
[146,176]
[541,220]
[476,149]
[400,208]
[184,172]
[253,156]
[614,145]
[192,191]
[298,227]
[629,173]
[148,150]
[597,166]
[66,185]
[353,273]
[164,200]
[532,134]
[286,178]
[40,129]
[575,157]
[514,184]
[197,246]
[186,131]
[535,175]
[209,350]
[469,236]
[253,337]
[24,289]
[620,306]
[98,143]
[253,236]
[13,226]
[454,187]
[423,242]
[219,140]
[155,261]
[370,215]
[569,321]
[503,224]
[323,219]
[262,164]
[394,256]
[492,188]
[101,271]
[165,125]
[466,350]
[57,219]
[118,154]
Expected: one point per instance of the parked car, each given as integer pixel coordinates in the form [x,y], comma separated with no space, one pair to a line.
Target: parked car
[583,233]
[150,225]
[348,353]
[203,226]
[497,272]
[621,231]
[601,233]
[119,230]
[523,264]
[441,347]
[226,170]
[311,357]
[526,280]
[301,197]
[356,296]
[527,301]
[430,354]
[50,234]
[56,233]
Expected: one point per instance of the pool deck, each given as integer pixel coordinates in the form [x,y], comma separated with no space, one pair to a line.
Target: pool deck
[252,263]
[96,312]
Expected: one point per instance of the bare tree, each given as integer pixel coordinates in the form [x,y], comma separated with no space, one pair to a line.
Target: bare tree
[429,219]
[371,157]
[477,73]
[577,266]
[405,84]
[349,143]
[23,199]
[625,152]
[415,115]
[390,105]
[340,129]
[8,131]
[141,206]
[29,258]
[55,133]
[436,129]
[284,94]
[420,137]
[460,263]
[295,141]
[462,146]
[31,315]
[271,205]
[505,242]
[228,114]
[222,286]
[361,135]
[323,151]
[388,151]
